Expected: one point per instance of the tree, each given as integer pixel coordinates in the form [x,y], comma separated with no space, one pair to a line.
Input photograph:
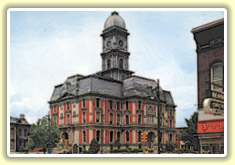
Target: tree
[117,143]
[43,134]
[188,135]
[94,147]
[170,146]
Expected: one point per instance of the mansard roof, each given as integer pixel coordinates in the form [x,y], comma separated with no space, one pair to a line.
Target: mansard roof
[130,87]
[16,120]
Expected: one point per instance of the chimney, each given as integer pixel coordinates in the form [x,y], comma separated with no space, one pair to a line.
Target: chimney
[21,116]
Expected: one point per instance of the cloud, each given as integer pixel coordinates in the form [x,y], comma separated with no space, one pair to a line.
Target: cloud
[48,47]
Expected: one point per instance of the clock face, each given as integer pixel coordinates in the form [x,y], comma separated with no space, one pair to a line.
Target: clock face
[120,42]
[108,44]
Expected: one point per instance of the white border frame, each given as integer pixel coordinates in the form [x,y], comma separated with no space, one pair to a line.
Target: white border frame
[117,9]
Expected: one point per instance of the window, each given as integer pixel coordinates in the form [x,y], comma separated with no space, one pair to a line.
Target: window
[118,105]
[12,131]
[67,106]
[139,136]
[98,136]
[97,102]
[127,136]
[139,104]
[111,118]
[170,124]
[121,63]
[170,137]
[84,117]
[139,119]
[110,104]
[68,116]
[97,117]
[150,119]
[217,77]
[118,119]
[119,135]
[127,119]
[108,63]
[111,136]
[83,103]
[25,132]
[171,112]
[20,132]
[127,105]
[84,136]
[54,108]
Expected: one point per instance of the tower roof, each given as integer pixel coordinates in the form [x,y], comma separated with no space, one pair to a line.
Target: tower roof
[114,20]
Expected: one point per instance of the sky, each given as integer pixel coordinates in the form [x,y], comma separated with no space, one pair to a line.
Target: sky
[48,46]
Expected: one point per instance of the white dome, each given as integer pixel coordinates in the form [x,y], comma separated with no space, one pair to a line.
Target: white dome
[114,20]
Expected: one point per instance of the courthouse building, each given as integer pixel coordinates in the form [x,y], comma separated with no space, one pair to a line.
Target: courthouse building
[113,103]
[210,81]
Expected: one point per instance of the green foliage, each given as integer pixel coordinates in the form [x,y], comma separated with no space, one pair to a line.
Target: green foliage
[117,143]
[21,149]
[43,134]
[188,134]
[170,146]
[94,147]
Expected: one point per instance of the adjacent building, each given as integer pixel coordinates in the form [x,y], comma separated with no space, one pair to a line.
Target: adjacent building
[114,103]
[209,39]
[19,132]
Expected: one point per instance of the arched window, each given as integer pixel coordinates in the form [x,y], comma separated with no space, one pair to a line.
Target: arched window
[217,76]
[121,63]
[108,63]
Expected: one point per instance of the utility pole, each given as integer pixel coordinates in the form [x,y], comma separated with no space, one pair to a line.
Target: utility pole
[158,117]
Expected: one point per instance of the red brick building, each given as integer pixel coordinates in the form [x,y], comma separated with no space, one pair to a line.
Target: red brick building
[113,103]
[210,73]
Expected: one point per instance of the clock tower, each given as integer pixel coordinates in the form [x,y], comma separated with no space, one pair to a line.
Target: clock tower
[115,55]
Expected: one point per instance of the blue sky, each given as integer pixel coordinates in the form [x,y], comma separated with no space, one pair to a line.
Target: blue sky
[48,46]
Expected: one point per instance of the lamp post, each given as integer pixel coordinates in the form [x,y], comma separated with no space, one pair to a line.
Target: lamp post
[49,132]
[155,94]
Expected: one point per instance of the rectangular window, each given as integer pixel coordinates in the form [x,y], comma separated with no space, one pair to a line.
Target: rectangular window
[97,102]
[84,136]
[68,117]
[170,123]
[20,132]
[83,103]
[170,112]
[118,105]
[84,117]
[139,119]
[67,106]
[127,105]
[54,108]
[127,137]
[127,119]
[111,118]
[118,119]
[12,131]
[139,104]
[25,132]
[97,117]
[110,104]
